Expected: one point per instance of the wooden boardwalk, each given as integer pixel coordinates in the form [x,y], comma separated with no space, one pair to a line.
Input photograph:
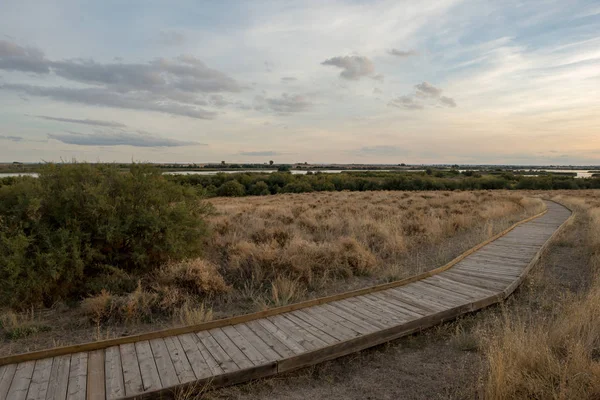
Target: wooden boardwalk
[263,344]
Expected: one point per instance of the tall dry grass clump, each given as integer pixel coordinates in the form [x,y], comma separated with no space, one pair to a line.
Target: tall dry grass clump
[556,357]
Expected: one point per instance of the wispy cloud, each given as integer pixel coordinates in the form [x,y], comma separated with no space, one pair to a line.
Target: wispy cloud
[135,139]
[93,122]
[402,53]
[425,94]
[286,103]
[11,138]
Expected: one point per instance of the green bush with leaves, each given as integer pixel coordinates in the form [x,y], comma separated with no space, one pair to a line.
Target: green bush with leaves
[79,220]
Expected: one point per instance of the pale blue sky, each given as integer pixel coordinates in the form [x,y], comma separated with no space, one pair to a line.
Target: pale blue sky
[439,81]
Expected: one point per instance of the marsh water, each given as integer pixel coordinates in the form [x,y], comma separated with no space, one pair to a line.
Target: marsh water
[580,173]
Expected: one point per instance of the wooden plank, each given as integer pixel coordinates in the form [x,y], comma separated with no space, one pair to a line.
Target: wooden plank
[386,305]
[96,384]
[399,305]
[452,289]
[410,299]
[450,283]
[266,350]
[367,307]
[343,328]
[442,293]
[363,315]
[255,356]
[396,305]
[132,376]
[113,371]
[482,259]
[297,332]
[283,337]
[313,330]
[203,364]
[183,368]
[76,389]
[7,372]
[500,274]
[225,361]
[426,297]
[340,311]
[231,349]
[329,315]
[330,327]
[271,340]
[469,280]
[21,380]
[483,275]
[164,364]
[500,270]
[40,379]
[59,378]
[148,370]
[287,328]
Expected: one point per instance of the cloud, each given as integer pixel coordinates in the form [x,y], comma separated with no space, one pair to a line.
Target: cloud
[426,89]
[402,53]
[106,98]
[26,59]
[94,122]
[354,67]
[378,77]
[288,79]
[284,104]
[136,139]
[266,153]
[447,101]
[377,91]
[406,102]
[171,38]
[11,138]
[163,85]
[425,94]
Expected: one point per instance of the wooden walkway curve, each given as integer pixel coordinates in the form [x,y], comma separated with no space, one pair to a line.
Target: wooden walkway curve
[257,345]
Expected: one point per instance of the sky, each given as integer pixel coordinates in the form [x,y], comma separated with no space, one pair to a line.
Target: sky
[427,82]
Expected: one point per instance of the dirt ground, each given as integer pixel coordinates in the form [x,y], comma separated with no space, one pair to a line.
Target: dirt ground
[441,362]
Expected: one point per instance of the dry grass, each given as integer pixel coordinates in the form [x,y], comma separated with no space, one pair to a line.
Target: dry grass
[314,239]
[554,354]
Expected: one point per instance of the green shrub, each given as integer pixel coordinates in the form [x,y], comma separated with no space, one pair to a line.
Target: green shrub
[231,189]
[77,220]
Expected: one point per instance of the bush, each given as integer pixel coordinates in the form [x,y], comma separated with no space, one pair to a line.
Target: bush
[231,189]
[77,220]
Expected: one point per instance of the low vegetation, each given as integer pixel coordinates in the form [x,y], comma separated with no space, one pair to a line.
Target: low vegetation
[126,251]
[258,184]
[552,353]
[79,228]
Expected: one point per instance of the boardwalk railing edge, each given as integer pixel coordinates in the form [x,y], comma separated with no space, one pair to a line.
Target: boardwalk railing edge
[102,344]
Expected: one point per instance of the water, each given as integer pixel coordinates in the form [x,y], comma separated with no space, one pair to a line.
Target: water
[7,174]
[580,173]
[268,171]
